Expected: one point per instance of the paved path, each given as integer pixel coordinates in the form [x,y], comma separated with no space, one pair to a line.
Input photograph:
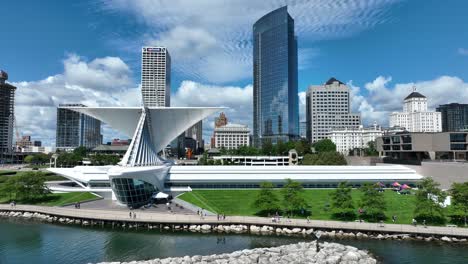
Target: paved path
[164,218]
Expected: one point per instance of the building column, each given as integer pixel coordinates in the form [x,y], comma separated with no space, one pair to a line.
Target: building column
[432,155]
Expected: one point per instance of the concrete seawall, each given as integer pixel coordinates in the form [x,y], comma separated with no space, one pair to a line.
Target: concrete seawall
[238,224]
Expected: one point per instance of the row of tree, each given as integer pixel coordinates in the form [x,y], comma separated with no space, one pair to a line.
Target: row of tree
[429,201]
[293,202]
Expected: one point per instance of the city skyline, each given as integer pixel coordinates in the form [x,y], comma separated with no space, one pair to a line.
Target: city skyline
[364,45]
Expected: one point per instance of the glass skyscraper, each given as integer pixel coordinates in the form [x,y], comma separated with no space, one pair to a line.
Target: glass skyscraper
[454,117]
[276,107]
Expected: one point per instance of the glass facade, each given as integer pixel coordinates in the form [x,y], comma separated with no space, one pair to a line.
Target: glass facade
[454,117]
[75,129]
[132,192]
[276,108]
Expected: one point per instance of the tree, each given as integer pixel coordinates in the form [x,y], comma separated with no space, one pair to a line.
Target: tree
[38,158]
[80,151]
[459,210]
[372,203]
[324,145]
[281,148]
[266,200]
[267,147]
[292,196]
[342,203]
[324,158]
[371,149]
[429,200]
[26,186]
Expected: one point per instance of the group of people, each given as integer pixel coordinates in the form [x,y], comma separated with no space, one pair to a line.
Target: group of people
[414,222]
[221,217]
[132,215]
[77,205]
[201,213]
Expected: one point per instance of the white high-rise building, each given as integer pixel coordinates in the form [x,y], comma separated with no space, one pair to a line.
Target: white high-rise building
[350,139]
[156,76]
[328,107]
[231,136]
[415,116]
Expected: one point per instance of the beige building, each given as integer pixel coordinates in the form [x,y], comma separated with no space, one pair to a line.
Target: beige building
[231,136]
[328,107]
[350,139]
[424,146]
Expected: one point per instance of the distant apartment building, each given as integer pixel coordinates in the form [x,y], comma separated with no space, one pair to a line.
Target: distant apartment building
[219,122]
[232,136]
[354,138]
[454,117]
[25,142]
[156,77]
[275,99]
[415,116]
[303,129]
[424,146]
[7,116]
[328,107]
[76,129]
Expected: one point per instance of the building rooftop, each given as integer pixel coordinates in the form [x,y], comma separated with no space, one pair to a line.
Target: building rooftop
[332,80]
[110,148]
[414,95]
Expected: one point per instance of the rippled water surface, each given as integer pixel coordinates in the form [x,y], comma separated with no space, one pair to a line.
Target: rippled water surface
[34,242]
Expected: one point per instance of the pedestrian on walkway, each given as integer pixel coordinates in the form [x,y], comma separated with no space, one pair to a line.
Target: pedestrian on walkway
[308,220]
[393,218]
[424,223]
[413,222]
[134,215]
[130,214]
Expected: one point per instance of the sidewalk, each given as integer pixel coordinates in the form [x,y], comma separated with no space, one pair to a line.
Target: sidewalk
[164,218]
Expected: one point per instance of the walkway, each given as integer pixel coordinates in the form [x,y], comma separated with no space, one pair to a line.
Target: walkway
[164,218]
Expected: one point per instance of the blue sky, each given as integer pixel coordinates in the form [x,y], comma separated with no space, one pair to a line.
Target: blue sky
[89,51]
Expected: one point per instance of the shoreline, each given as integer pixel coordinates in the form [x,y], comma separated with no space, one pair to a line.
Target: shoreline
[192,223]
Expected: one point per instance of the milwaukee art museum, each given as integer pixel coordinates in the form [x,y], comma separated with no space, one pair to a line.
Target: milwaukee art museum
[142,173]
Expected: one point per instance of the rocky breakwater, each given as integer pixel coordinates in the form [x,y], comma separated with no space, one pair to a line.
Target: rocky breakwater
[329,253]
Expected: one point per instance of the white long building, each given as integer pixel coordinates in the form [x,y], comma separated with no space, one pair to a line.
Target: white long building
[349,139]
[142,173]
[415,116]
[231,136]
[328,107]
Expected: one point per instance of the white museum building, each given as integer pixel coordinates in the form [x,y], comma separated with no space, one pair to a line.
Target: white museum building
[142,173]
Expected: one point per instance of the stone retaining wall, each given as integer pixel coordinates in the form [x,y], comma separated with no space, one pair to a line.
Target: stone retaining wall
[239,229]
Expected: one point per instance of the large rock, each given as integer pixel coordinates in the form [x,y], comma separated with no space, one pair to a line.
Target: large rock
[330,253]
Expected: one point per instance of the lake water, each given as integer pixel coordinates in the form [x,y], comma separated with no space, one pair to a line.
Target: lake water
[28,241]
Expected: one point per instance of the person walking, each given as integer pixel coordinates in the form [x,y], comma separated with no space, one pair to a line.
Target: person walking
[413,222]
[393,218]
[134,215]
[308,220]
[130,214]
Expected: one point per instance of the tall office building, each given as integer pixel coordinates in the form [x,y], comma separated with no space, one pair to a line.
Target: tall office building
[275,102]
[156,77]
[328,107]
[7,116]
[415,116]
[76,129]
[454,117]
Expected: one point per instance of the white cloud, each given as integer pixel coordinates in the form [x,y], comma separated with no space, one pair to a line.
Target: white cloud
[380,98]
[463,51]
[100,82]
[211,40]
[237,99]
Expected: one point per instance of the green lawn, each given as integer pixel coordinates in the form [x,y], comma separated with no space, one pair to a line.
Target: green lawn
[239,202]
[57,199]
